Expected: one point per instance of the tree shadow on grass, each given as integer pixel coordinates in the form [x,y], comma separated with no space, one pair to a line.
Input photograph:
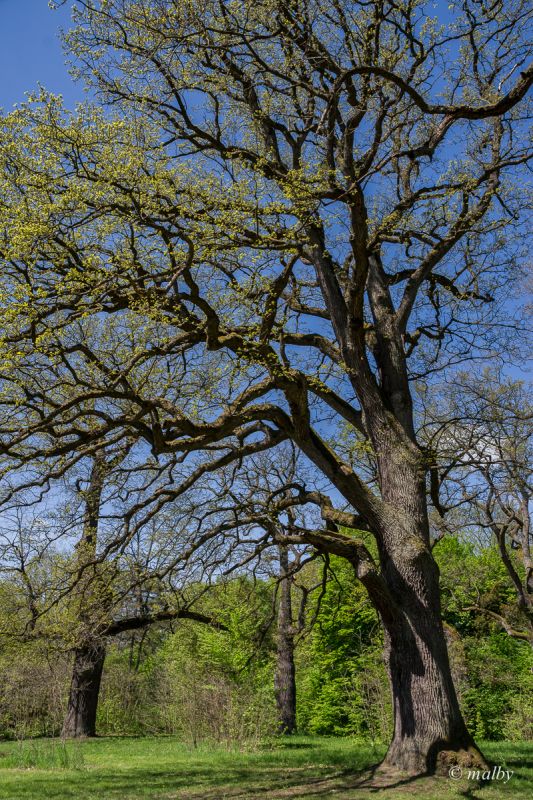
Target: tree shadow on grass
[296,779]
[286,744]
[521,763]
[344,784]
[193,784]
[253,783]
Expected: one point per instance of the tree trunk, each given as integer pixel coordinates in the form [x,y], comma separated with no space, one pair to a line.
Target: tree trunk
[80,719]
[284,678]
[89,656]
[429,731]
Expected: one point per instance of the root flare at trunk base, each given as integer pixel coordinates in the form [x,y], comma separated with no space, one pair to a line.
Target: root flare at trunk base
[410,761]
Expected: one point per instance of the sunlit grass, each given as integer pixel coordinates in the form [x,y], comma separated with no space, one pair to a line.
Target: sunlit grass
[165,769]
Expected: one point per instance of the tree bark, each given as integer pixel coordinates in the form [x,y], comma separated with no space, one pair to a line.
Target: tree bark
[80,719]
[429,731]
[284,678]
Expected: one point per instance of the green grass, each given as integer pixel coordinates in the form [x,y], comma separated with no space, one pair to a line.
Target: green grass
[165,769]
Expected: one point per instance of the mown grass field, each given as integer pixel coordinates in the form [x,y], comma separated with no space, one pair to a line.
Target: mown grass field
[165,769]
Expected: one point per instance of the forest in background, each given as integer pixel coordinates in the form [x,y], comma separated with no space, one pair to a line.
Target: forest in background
[210,686]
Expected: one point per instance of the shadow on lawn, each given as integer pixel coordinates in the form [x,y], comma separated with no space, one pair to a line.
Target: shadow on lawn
[237,784]
[287,744]
[281,787]
[230,784]
[230,779]
[287,787]
[521,763]
[345,784]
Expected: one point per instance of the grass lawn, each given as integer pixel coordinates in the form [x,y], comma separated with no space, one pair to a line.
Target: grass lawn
[165,769]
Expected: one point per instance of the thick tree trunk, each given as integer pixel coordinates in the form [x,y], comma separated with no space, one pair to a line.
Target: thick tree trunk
[284,678]
[429,731]
[80,719]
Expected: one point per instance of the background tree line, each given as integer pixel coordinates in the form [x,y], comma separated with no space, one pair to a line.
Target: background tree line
[209,683]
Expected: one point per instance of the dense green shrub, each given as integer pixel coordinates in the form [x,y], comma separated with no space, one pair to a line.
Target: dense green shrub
[498,686]
[342,682]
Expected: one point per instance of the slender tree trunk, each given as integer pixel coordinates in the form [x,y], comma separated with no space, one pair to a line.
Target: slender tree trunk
[284,678]
[80,719]
[429,730]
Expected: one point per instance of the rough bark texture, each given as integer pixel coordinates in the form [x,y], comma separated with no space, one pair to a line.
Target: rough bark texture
[284,678]
[80,719]
[429,730]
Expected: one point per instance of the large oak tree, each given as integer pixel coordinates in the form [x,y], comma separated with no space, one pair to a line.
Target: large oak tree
[320,202]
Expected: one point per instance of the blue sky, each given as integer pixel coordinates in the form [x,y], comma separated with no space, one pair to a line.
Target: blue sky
[30,51]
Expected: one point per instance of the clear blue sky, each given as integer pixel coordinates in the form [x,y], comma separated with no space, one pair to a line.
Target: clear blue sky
[30,51]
